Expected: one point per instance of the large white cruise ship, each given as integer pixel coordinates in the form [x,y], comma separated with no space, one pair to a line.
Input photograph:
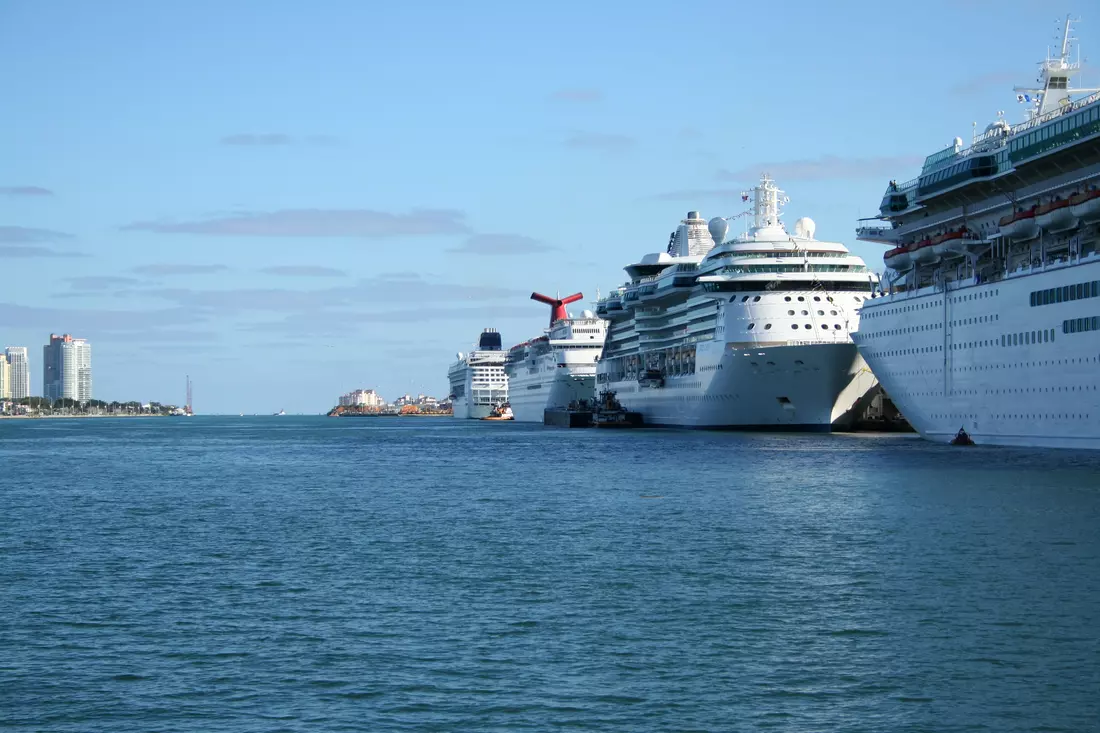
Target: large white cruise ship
[558,367]
[750,332]
[478,381]
[991,321]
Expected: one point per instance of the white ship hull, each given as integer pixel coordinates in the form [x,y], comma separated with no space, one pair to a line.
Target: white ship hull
[806,387]
[530,395]
[463,410]
[990,362]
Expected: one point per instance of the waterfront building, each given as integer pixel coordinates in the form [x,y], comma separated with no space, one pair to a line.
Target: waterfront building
[67,368]
[5,378]
[20,373]
[362,398]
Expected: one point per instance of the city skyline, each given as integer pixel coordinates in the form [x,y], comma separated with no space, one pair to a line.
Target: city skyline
[374,206]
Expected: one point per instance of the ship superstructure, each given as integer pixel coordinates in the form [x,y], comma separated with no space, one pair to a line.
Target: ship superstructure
[478,382]
[991,319]
[557,368]
[749,332]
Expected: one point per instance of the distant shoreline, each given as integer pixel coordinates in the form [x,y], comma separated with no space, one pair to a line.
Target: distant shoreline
[67,417]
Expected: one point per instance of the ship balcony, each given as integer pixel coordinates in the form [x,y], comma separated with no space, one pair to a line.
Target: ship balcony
[876,230]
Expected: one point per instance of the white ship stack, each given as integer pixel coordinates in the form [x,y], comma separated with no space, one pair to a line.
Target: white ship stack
[478,381]
[991,323]
[557,368]
[750,332]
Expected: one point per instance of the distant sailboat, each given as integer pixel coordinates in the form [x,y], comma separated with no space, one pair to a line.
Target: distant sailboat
[280,413]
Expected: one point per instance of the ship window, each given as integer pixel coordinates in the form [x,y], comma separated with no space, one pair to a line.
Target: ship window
[800,299]
[756,299]
[820,313]
[767,326]
[817,298]
[790,313]
[805,313]
[825,326]
[750,326]
[836,326]
[788,299]
[794,326]
[807,326]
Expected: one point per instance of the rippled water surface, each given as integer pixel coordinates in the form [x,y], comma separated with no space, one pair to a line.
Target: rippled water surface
[313,574]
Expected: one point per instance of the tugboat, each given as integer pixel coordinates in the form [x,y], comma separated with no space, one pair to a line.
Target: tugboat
[500,412]
[962,438]
[609,413]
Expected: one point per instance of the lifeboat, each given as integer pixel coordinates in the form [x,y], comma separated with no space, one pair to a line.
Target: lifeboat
[898,259]
[1020,225]
[924,251]
[1086,205]
[949,243]
[1055,216]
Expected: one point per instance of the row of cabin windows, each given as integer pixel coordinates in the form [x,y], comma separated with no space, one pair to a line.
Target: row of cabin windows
[1066,293]
[768,326]
[727,286]
[746,269]
[1027,338]
[1080,124]
[1080,325]
[875,312]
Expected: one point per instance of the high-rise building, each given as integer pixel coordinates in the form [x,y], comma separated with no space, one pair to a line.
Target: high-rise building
[5,378]
[20,371]
[67,368]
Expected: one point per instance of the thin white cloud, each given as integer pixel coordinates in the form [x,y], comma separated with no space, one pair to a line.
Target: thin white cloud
[303,271]
[579,96]
[501,244]
[316,223]
[608,142]
[25,191]
[161,270]
[825,168]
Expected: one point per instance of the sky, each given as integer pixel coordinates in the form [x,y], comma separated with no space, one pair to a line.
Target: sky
[287,201]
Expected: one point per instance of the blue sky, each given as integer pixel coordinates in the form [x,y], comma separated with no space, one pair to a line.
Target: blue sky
[291,200]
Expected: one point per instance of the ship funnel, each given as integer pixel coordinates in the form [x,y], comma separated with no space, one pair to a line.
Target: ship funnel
[557,305]
[490,340]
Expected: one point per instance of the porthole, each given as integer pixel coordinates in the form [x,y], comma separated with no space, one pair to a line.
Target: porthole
[808,326]
[767,326]
[790,313]
[817,299]
[756,299]
[788,299]
[825,326]
[750,326]
[744,299]
[805,313]
[821,313]
[800,299]
[794,326]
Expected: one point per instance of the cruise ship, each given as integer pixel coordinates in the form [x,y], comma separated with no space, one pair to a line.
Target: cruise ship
[478,381]
[558,367]
[751,332]
[989,321]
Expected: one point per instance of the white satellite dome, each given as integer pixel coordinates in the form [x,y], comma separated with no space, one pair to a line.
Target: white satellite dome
[805,227]
[459,355]
[587,314]
[718,228]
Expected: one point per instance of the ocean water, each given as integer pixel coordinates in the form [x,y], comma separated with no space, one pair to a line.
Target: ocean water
[313,574]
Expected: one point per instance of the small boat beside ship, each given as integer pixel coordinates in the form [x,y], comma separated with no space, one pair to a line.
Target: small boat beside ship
[501,412]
